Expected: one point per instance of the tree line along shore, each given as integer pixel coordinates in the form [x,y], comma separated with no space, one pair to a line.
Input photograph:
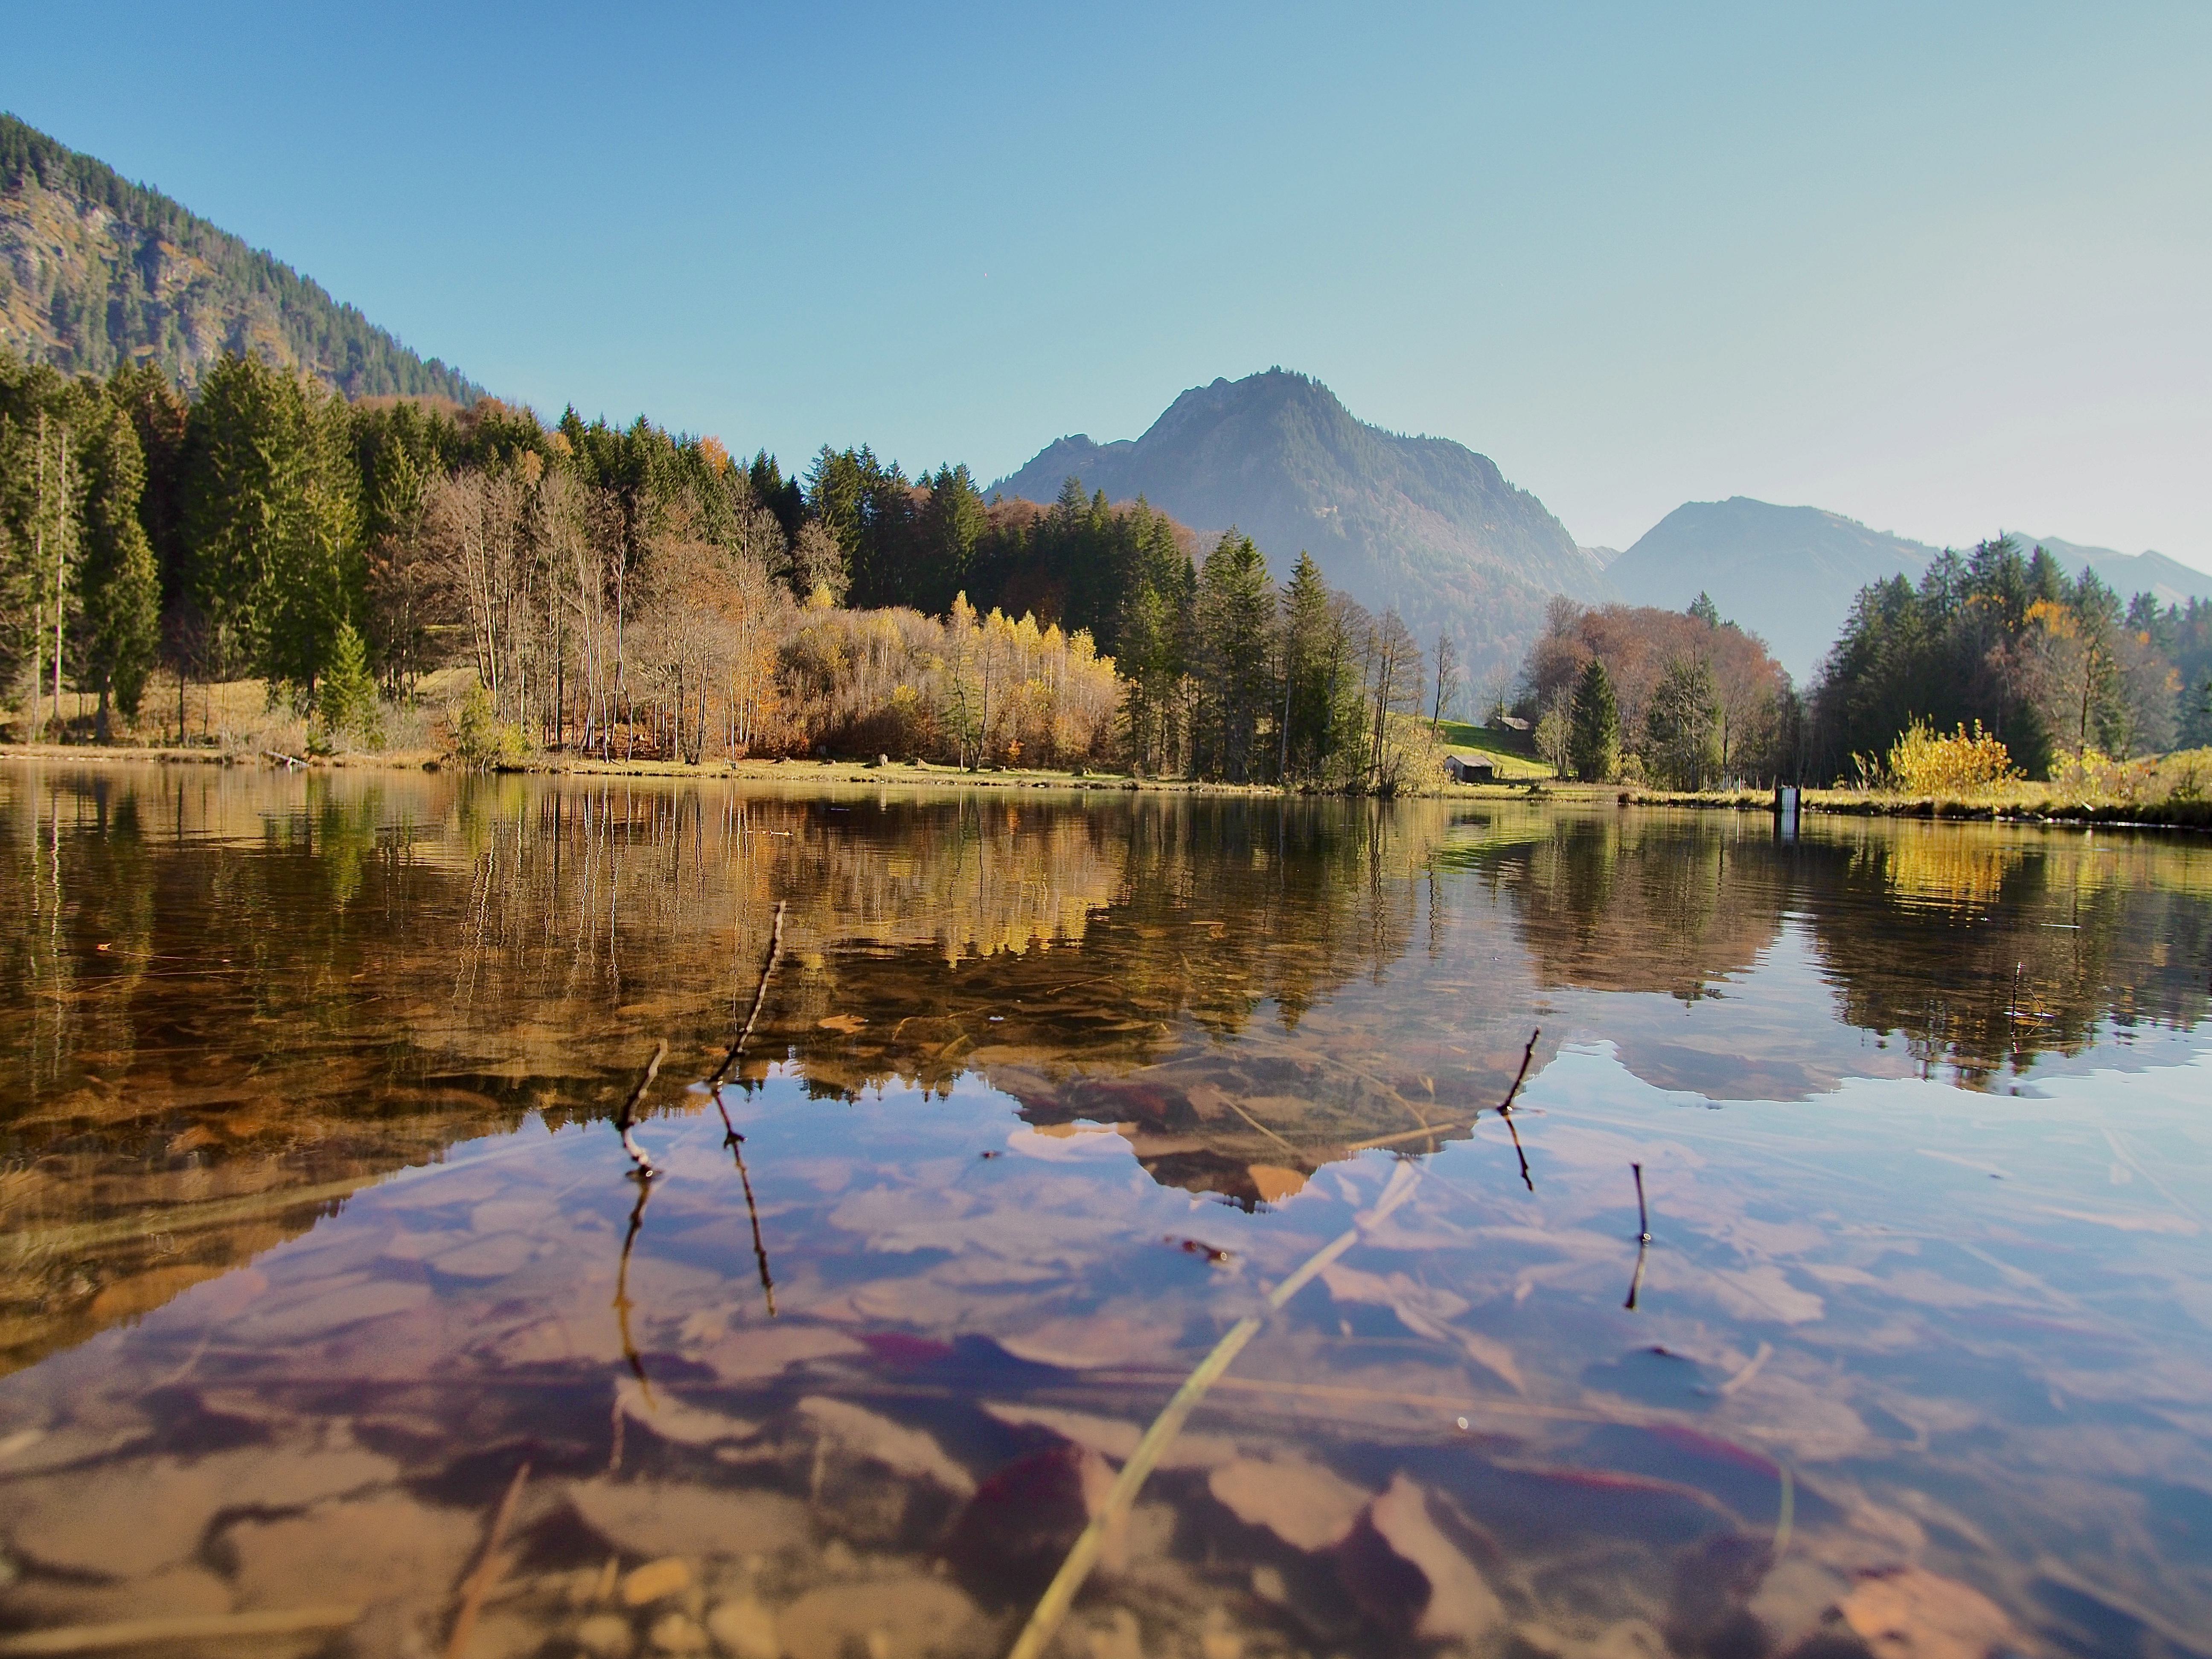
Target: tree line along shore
[266,567]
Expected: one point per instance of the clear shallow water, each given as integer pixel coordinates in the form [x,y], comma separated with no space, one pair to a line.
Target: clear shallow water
[314,1223]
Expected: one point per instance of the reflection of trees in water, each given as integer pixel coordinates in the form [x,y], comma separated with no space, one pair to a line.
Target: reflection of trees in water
[1979,944]
[1983,948]
[235,996]
[1634,902]
[1225,908]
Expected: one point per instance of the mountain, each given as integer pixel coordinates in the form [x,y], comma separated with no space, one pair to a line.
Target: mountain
[2128,573]
[1786,574]
[1789,574]
[1423,523]
[95,270]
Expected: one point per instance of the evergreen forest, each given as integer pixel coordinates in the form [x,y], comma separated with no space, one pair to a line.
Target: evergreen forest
[628,591]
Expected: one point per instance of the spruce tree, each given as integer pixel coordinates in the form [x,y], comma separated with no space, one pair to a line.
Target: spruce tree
[1594,739]
[119,587]
[1235,625]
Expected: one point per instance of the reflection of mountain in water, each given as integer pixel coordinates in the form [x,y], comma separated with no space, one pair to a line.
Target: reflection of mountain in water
[236,998]
[230,998]
[1231,920]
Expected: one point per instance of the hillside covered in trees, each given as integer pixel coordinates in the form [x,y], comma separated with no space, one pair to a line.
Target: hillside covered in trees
[97,272]
[628,591]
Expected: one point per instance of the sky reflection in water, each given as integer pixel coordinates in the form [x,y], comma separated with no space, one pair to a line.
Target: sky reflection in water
[315,1225]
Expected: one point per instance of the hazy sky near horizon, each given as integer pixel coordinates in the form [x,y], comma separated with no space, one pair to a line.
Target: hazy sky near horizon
[1944,269]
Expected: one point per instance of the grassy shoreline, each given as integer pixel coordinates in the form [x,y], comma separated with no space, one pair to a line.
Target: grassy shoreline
[2021,803]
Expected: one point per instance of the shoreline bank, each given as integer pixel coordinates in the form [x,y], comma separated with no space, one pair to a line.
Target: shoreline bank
[2172,814]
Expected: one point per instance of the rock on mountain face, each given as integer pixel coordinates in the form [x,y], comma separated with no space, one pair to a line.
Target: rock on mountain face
[1786,574]
[96,272]
[1423,523]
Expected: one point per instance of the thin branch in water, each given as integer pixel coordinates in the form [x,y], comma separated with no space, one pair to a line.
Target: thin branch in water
[1636,1279]
[490,1567]
[760,995]
[1642,1238]
[1045,1621]
[1505,1108]
[626,1120]
[736,1143]
[731,1138]
[621,1303]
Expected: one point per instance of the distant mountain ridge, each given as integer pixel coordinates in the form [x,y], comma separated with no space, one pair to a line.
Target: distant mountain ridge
[1790,574]
[1423,523]
[96,272]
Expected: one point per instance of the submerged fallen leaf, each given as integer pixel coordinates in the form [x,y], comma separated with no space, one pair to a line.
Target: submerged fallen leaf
[845,1024]
[1013,1533]
[1459,1605]
[656,1581]
[902,1451]
[1908,1613]
[653,1518]
[1307,1506]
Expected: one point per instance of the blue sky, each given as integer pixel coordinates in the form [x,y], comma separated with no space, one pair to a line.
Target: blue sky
[1942,267]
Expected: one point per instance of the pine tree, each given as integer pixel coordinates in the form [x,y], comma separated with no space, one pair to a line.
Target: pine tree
[345,701]
[1593,736]
[1234,629]
[117,585]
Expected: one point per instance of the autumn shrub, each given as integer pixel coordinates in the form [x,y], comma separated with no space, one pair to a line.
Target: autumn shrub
[1922,762]
[2091,774]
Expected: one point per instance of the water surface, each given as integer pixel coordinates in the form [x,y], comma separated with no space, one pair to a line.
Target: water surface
[316,1229]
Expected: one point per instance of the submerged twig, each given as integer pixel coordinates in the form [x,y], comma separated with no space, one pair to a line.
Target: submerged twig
[181,1627]
[1045,1621]
[627,1118]
[736,1143]
[490,1569]
[1059,1595]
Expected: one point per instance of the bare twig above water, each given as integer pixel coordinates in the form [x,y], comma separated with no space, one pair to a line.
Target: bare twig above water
[1505,1108]
[490,1568]
[760,995]
[626,1119]
[731,1138]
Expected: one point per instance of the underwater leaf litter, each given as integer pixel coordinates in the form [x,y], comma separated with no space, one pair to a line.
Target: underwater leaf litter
[317,1232]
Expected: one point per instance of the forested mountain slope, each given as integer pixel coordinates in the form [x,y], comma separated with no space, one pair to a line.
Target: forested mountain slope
[1789,574]
[1786,574]
[1422,524]
[96,272]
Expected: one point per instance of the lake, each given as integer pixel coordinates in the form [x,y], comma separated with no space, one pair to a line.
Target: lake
[334,1316]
